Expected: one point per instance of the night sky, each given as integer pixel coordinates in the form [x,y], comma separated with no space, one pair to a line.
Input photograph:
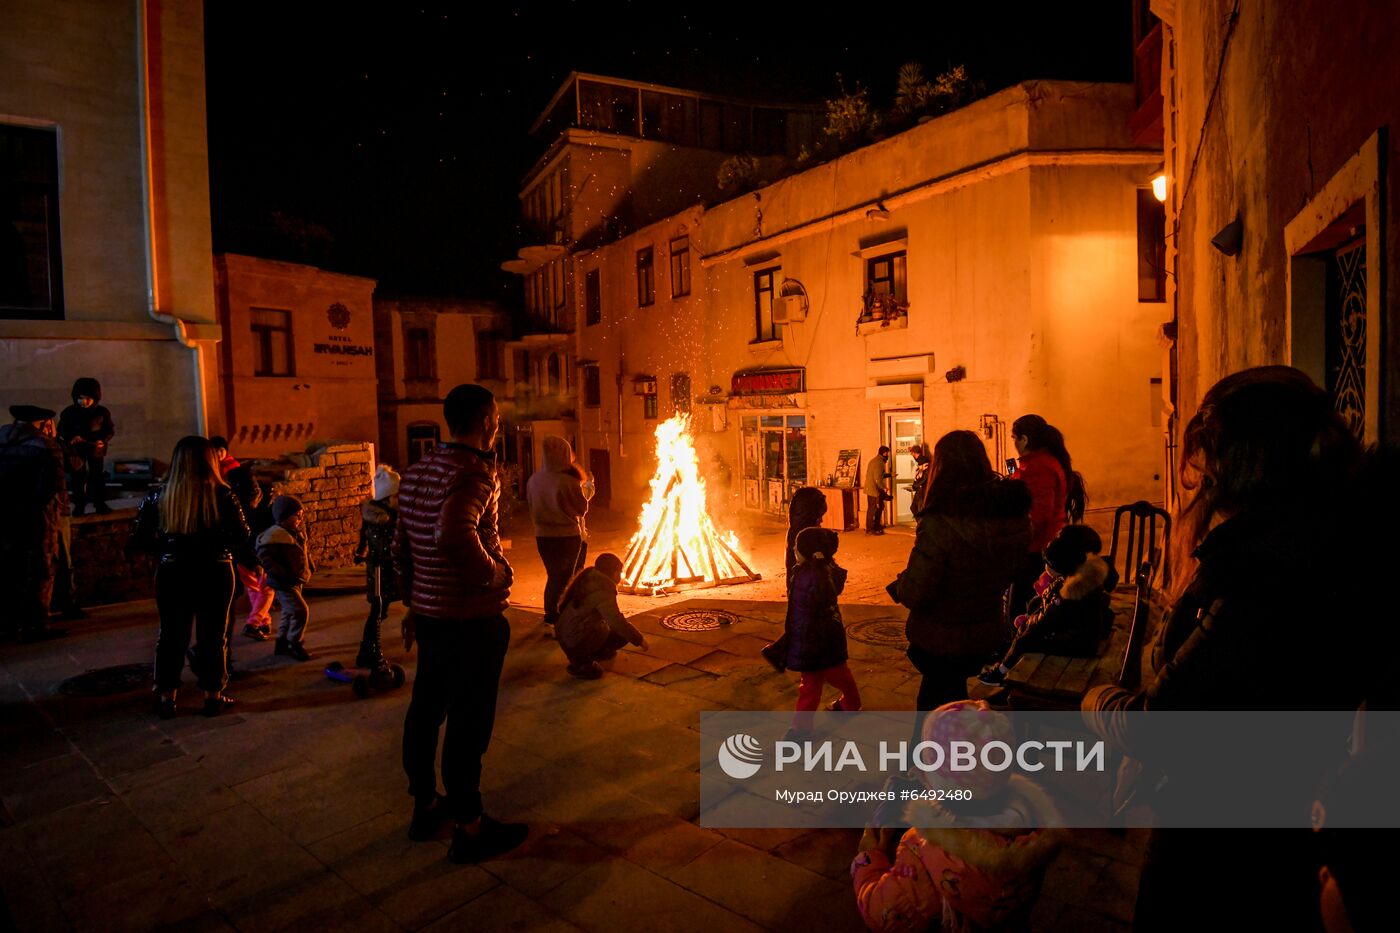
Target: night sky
[389,139]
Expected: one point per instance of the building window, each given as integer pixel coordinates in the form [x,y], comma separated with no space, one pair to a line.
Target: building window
[557,282]
[680,392]
[764,328]
[646,278]
[552,371]
[886,275]
[422,438]
[31,268]
[650,408]
[1152,247]
[592,298]
[488,357]
[418,353]
[272,342]
[592,386]
[680,266]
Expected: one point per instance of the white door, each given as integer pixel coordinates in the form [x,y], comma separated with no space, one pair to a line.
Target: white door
[902,429]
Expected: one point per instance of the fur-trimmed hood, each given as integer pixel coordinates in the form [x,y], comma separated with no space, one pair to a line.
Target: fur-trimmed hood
[994,851]
[1087,580]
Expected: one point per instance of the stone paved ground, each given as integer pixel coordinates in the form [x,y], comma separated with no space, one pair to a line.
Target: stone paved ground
[292,811]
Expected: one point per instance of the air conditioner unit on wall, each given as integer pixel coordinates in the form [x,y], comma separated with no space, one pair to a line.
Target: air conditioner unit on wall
[790,310]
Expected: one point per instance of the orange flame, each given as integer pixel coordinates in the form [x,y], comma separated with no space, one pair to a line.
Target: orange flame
[676,544]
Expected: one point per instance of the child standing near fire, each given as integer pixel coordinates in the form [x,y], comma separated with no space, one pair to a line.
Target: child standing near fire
[378,518]
[814,637]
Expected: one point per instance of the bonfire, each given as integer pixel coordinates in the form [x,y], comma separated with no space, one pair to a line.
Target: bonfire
[676,545]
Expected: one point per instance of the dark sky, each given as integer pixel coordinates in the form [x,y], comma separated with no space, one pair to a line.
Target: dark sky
[388,139]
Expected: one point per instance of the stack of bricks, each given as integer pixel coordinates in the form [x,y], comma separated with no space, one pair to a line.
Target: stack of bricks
[331,493]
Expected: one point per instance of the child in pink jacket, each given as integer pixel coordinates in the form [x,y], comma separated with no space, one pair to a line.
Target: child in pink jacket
[946,873]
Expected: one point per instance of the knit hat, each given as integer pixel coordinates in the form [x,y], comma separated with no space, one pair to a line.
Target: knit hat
[386,482]
[967,721]
[816,543]
[1071,547]
[284,507]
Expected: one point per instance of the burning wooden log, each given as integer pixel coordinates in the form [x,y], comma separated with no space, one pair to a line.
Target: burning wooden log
[676,545]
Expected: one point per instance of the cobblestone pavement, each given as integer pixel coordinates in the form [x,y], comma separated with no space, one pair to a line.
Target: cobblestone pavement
[292,811]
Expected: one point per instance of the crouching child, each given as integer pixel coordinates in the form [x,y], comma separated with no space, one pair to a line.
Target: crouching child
[591,627]
[282,550]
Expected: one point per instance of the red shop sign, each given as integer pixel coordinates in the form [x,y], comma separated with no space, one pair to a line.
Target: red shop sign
[767,382]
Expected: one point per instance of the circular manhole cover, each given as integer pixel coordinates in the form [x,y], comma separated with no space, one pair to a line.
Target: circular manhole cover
[107,681]
[699,620]
[882,633]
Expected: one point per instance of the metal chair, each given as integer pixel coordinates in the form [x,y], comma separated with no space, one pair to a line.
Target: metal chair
[1141,541]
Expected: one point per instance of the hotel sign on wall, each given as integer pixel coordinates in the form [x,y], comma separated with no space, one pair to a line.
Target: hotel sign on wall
[338,345]
[767,388]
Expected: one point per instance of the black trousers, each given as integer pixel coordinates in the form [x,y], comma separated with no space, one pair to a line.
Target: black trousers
[563,557]
[87,484]
[193,595]
[944,680]
[1023,586]
[459,674]
[874,513]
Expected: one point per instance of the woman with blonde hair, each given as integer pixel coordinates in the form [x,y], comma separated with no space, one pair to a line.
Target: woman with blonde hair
[195,528]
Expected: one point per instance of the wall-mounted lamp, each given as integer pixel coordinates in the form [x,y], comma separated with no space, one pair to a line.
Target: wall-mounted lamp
[956,374]
[1159,186]
[1230,237]
[878,212]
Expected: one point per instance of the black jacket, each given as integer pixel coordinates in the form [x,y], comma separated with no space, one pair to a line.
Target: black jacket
[227,540]
[94,425]
[963,561]
[35,490]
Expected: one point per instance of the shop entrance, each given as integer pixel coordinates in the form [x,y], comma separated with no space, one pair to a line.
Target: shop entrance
[902,429]
[774,460]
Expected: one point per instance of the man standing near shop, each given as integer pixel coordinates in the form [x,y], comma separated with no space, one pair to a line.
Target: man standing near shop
[876,492]
[455,581]
[32,504]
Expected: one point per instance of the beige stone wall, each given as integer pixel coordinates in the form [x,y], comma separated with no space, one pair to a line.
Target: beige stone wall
[331,493]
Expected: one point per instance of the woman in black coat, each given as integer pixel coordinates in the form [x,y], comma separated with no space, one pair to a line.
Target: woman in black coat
[195,526]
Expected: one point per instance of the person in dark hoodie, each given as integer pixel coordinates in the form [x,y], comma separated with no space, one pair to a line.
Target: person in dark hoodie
[973,532]
[31,510]
[814,633]
[86,428]
[591,627]
[282,550]
[806,510]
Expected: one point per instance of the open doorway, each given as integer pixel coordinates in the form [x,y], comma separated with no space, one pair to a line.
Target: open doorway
[902,430]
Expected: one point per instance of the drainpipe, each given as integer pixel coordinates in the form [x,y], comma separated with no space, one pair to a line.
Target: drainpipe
[148,195]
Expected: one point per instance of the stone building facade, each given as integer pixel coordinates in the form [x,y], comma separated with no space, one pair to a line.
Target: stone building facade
[104,214]
[1280,125]
[980,266]
[331,492]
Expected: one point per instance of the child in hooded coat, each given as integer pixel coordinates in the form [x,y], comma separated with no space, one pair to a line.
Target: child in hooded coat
[282,550]
[949,872]
[378,518]
[86,428]
[814,633]
[1071,613]
[591,627]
